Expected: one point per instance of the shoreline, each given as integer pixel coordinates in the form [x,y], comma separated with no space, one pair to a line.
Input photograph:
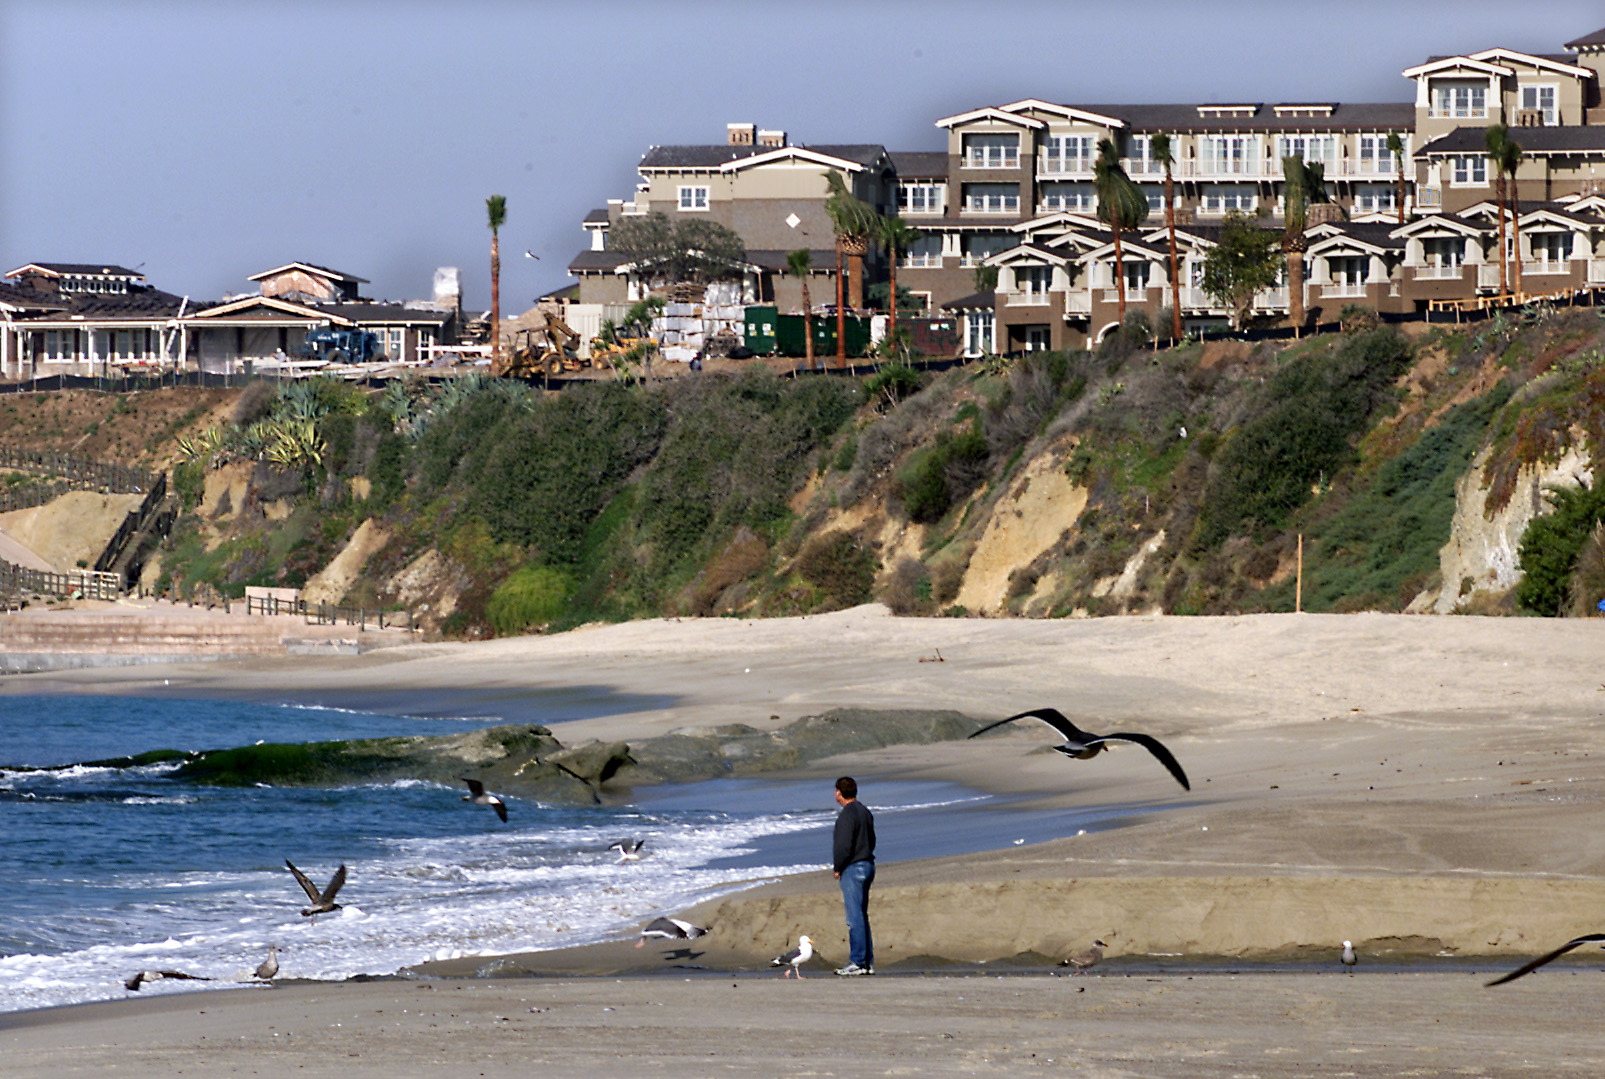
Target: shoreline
[1416,784]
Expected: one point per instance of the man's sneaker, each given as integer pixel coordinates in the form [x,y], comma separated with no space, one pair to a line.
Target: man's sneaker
[853,970]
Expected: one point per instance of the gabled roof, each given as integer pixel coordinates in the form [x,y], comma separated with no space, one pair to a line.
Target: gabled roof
[1057,219]
[1451,63]
[22,299]
[716,157]
[853,160]
[1589,42]
[1129,242]
[990,113]
[394,313]
[76,269]
[311,268]
[563,294]
[1508,56]
[975,301]
[1534,141]
[270,306]
[920,164]
[596,262]
[1566,217]
[1455,223]
[597,217]
[1069,112]
[1027,253]
[1355,116]
[1368,236]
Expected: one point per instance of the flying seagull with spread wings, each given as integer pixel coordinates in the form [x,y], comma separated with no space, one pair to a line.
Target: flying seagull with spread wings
[139,978]
[1590,938]
[669,929]
[1084,746]
[322,902]
[476,794]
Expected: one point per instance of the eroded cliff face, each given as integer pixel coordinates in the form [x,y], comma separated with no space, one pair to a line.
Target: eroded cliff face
[1481,556]
[1039,508]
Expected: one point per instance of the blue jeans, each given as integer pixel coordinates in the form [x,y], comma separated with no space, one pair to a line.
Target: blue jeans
[856,880]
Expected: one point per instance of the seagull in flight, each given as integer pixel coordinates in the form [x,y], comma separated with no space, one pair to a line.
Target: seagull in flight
[1084,746]
[476,794]
[794,959]
[628,852]
[1590,938]
[132,984]
[322,902]
[669,929]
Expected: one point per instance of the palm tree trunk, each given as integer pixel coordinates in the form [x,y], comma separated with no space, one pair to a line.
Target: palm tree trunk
[1399,167]
[1504,267]
[1295,288]
[1515,228]
[1175,272]
[495,304]
[1120,275]
[891,320]
[855,282]
[841,311]
[808,328]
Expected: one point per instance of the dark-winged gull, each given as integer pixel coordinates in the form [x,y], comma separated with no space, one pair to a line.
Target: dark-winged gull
[322,902]
[1089,958]
[1348,958]
[476,794]
[794,959]
[132,984]
[270,966]
[1576,942]
[628,851]
[1084,746]
[669,929]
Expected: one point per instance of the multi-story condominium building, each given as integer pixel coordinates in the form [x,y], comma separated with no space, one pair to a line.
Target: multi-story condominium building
[1013,192]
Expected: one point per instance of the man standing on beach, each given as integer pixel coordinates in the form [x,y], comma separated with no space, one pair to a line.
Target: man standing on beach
[855,868]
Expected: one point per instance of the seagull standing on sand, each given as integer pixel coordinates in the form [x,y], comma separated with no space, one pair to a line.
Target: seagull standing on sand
[476,794]
[1083,745]
[1089,958]
[669,929]
[1348,957]
[322,902]
[270,966]
[794,959]
[628,852]
[1576,942]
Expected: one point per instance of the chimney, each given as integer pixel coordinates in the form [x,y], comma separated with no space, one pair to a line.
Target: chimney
[739,134]
[772,140]
[449,289]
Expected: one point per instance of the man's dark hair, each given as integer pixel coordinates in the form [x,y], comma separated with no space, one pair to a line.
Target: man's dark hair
[848,786]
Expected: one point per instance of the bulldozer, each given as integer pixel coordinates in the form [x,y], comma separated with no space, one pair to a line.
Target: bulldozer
[544,350]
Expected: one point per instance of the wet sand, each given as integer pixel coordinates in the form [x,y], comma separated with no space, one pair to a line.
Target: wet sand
[1424,786]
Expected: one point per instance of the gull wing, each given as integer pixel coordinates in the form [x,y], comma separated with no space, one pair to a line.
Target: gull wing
[501,810]
[475,787]
[1153,746]
[306,885]
[335,884]
[1051,716]
[1541,960]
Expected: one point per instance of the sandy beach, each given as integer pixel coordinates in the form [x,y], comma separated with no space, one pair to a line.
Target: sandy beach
[1428,787]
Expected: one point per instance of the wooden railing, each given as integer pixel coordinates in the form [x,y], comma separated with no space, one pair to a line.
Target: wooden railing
[85,584]
[79,473]
[327,614]
[132,524]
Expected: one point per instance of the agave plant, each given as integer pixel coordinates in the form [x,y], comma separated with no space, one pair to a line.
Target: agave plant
[205,447]
[297,446]
[252,443]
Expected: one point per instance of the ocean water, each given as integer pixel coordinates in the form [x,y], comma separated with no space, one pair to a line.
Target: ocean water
[107,871]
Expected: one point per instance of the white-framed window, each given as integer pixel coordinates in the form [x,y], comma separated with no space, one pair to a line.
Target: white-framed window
[1314,149]
[991,151]
[1231,154]
[992,198]
[1225,198]
[979,246]
[1444,252]
[1155,194]
[924,253]
[1540,97]
[979,338]
[1032,282]
[61,344]
[1067,153]
[1037,339]
[389,343]
[1349,270]
[1137,274]
[1376,198]
[1142,161]
[1081,197]
[1468,170]
[425,340]
[1460,98]
[917,301]
[1375,160]
[921,198]
[130,344]
[693,196]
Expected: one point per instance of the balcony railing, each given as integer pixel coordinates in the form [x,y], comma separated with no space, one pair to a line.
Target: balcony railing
[1596,272]
[1343,289]
[1078,302]
[1026,299]
[1429,197]
[1271,298]
[1546,266]
[1195,298]
[1061,166]
[1438,273]
[1010,160]
[1488,275]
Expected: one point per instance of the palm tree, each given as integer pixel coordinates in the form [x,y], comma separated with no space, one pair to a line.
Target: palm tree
[1305,185]
[896,235]
[1494,139]
[1121,205]
[1510,156]
[799,263]
[1160,147]
[496,211]
[854,222]
[1396,148]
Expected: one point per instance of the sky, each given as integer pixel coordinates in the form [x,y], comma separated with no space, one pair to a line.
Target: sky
[203,141]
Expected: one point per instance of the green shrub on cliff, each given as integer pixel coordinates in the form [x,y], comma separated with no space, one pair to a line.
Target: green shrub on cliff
[1551,544]
[532,597]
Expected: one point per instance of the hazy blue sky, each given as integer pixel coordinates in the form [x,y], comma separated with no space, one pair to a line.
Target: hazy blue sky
[206,141]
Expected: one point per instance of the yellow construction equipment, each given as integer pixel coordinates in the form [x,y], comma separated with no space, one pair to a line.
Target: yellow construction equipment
[547,349]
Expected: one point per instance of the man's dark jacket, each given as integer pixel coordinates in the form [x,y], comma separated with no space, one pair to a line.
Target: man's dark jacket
[855,835]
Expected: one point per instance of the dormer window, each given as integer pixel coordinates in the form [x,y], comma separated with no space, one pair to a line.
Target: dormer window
[1460,100]
[1537,100]
[1234,111]
[991,151]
